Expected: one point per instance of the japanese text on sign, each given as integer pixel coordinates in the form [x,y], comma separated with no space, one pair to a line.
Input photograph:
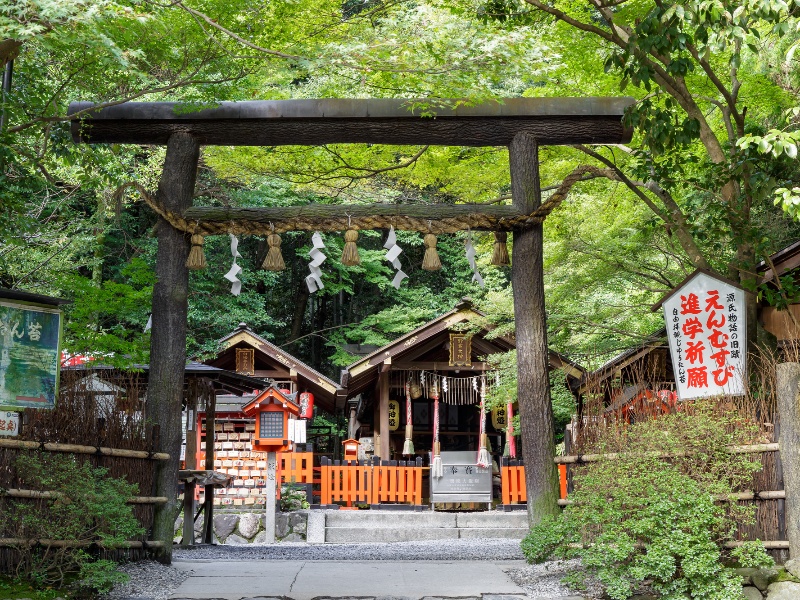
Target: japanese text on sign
[9,423]
[706,329]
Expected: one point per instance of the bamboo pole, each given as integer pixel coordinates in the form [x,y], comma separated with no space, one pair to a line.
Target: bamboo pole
[13,542]
[76,449]
[587,458]
[735,497]
[36,494]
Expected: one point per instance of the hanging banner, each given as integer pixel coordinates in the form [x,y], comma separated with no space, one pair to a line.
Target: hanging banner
[460,350]
[29,355]
[707,327]
[394,415]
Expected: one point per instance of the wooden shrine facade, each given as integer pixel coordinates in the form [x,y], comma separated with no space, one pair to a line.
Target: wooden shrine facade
[375,384]
[521,124]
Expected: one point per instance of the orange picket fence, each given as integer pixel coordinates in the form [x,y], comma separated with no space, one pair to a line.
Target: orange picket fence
[386,482]
[296,467]
[512,480]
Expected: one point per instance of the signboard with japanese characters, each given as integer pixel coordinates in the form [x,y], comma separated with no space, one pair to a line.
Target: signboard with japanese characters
[394,415]
[460,350]
[706,327]
[29,355]
[463,480]
[9,423]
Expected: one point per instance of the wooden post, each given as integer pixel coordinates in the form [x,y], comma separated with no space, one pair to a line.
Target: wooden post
[384,412]
[788,376]
[271,491]
[208,503]
[168,341]
[190,463]
[533,386]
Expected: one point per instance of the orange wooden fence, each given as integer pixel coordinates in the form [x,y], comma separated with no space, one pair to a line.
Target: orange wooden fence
[296,467]
[512,479]
[385,482]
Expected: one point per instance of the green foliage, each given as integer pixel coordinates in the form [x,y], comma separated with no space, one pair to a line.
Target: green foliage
[643,517]
[752,555]
[293,497]
[89,507]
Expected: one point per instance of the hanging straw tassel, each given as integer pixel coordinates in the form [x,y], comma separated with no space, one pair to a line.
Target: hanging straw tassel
[408,445]
[484,458]
[196,259]
[350,253]
[437,468]
[430,261]
[274,258]
[500,253]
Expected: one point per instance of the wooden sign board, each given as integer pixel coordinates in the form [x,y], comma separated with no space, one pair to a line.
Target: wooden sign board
[30,350]
[460,350]
[707,330]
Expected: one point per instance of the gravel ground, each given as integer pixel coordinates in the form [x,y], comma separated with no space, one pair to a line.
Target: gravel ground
[152,580]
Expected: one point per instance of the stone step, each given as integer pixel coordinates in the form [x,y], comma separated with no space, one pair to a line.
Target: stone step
[388,526]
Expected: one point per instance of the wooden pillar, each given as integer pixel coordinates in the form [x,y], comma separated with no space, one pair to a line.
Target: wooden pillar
[191,462]
[788,376]
[168,340]
[208,503]
[384,416]
[533,387]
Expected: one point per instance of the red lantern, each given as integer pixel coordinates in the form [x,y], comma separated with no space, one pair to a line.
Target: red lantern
[306,405]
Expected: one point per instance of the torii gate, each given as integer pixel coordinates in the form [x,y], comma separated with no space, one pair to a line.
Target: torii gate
[521,124]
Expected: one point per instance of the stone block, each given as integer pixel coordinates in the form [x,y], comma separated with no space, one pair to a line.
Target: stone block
[301,527]
[493,519]
[513,534]
[752,593]
[235,540]
[293,537]
[764,576]
[344,535]
[224,525]
[295,518]
[281,525]
[249,525]
[315,532]
[746,574]
[793,566]
[783,590]
[261,537]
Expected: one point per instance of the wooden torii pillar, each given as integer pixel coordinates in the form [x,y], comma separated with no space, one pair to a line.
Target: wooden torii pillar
[521,124]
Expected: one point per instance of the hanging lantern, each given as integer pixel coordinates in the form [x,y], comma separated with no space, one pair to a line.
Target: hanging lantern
[394,415]
[499,417]
[306,400]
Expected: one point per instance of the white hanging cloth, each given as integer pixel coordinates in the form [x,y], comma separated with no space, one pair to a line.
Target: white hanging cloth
[393,251]
[314,280]
[471,259]
[233,274]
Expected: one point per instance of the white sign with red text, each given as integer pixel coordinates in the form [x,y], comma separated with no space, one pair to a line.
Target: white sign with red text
[706,327]
[9,423]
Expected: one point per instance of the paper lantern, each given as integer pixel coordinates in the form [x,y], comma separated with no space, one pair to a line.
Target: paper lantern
[306,400]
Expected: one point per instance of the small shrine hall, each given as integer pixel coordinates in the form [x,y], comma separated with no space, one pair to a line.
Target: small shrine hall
[444,358]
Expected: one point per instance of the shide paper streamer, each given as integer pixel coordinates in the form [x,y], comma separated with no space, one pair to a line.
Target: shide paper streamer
[392,253]
[233,274]
[471,259]
[314,280]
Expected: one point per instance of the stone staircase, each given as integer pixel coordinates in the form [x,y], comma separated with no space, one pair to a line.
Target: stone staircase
[358,526]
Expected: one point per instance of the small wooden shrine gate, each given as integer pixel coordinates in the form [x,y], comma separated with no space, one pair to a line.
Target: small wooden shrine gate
[521,124]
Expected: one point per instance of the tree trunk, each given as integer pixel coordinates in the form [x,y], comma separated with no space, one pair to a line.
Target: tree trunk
[168,341]
[788,376]
[533,386]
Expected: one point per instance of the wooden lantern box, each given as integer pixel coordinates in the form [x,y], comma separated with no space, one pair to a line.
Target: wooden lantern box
[272,410]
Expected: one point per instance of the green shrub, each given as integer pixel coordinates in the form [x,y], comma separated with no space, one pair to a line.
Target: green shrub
[89,508]
[643,518]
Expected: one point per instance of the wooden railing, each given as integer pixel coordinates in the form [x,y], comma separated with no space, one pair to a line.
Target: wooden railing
[512,480]
[296,467]
[385,482]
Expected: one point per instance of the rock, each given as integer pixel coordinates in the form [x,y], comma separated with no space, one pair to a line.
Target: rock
[198,525]
[249,525]
[178,524]
[784,590]
[764,576]
[281,525]
[300,527]
[293,537]
[746,574]
[296,518]
[261,537]
[235,540]
[752,593]
[793,566]
[224,525]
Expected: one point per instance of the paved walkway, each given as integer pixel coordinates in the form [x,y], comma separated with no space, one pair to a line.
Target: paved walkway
[307,580]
